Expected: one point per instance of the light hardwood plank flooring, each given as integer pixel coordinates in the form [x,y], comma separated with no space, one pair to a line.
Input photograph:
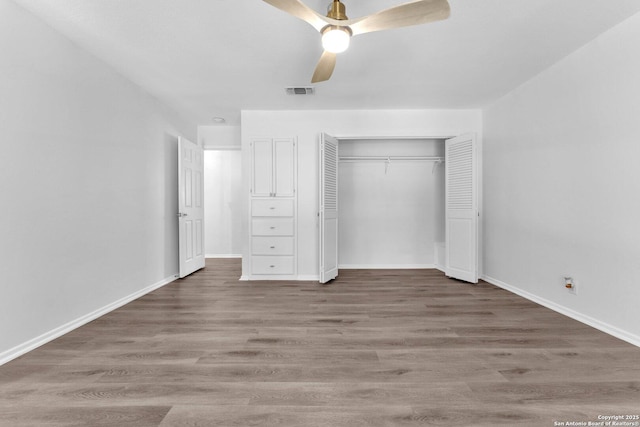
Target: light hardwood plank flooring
[372,348]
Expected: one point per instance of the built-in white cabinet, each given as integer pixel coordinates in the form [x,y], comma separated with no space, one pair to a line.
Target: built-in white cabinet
[273,209]
[273,167]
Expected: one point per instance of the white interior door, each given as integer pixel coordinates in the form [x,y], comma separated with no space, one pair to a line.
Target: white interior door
[461,189]
[191,206]
[328,223]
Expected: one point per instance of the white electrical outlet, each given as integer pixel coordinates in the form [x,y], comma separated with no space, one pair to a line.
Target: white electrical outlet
[571,285]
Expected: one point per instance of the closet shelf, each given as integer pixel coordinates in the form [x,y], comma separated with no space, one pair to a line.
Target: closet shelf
[390,159]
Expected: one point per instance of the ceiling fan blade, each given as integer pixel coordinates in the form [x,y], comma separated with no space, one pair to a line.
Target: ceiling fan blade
[325,67]
[412,13]
[302,11]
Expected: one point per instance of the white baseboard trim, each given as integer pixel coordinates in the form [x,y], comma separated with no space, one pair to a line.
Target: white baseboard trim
[223,256]
[36,342]
[302,278]
[268,277]
[587,320]
[385,266]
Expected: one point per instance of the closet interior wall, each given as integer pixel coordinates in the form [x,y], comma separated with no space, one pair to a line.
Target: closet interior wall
[391,213]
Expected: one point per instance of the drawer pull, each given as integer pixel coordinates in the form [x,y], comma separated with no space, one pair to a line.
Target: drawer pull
[273,228]
[272,266]
[272,208]
[272,247]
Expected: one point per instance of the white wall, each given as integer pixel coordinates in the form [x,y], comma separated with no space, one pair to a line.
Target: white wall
[390,215]
[562,184]
[222,189]
[88,182]
[307,125]
[223,203]
[219,137]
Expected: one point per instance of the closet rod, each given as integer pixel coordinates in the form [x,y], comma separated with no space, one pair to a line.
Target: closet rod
[390,158]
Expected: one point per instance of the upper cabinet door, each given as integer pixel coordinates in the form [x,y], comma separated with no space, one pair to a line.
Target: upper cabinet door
[262,167]
[284,167]
[273,167]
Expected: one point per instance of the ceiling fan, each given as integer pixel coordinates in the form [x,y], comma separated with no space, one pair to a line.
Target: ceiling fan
[337,29]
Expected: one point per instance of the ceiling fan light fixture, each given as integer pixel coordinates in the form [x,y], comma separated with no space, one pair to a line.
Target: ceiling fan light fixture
[337,29]
[336,39]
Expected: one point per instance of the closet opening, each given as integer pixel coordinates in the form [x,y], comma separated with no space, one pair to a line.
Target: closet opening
[389,203]
[391,195]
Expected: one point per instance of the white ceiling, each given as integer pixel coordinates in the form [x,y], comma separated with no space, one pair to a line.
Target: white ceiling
[210,58]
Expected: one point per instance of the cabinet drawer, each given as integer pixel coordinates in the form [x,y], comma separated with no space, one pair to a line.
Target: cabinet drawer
[272,245]
[272,226]
[272,264]
[272,207]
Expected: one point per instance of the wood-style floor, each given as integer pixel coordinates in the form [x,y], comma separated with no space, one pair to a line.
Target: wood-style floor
[373,348]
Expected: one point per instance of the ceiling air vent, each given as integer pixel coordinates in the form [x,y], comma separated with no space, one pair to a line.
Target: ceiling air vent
[308,90]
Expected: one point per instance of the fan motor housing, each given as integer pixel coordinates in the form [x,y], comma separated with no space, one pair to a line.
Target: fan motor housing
[337,11]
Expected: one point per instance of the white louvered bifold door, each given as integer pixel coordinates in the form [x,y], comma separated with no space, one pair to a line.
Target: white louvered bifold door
[461,208]
[328,221]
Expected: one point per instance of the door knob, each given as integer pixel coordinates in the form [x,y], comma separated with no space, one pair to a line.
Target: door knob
[180,214]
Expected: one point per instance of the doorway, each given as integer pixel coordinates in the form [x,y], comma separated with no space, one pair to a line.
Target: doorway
[391,198]
[390,207]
